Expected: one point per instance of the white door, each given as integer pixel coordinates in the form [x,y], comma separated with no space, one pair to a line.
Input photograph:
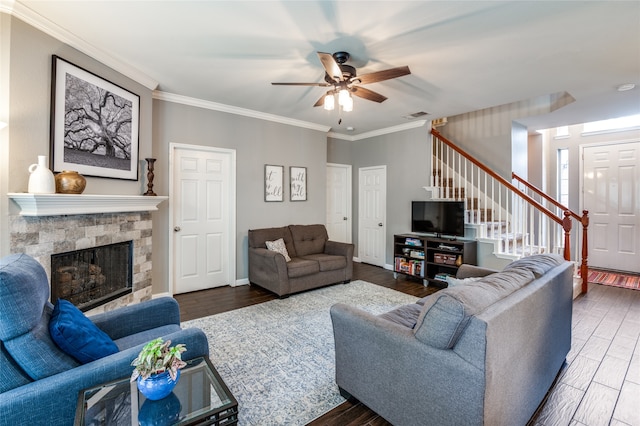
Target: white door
[371,217]
[202,196]
[612,197]
[339,202]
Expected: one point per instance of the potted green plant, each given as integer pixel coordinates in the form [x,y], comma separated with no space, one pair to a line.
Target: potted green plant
[157,368]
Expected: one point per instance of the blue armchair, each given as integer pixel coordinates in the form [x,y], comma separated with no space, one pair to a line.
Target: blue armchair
[39,383]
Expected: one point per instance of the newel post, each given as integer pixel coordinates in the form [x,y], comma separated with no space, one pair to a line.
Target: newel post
[566,225]
[584,268]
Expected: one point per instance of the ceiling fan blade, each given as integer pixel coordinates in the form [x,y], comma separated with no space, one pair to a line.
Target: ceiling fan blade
[368,94]
[374,77]
[331,66]
[320,102]
[302,84]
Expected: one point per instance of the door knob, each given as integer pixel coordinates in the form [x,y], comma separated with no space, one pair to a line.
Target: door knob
[344,218]
[177,228]
[380,224]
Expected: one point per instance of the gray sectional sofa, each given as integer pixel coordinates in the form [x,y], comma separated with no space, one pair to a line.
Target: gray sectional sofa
[315,260]
[479,353]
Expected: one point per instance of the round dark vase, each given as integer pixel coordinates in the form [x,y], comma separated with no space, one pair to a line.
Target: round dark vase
[157,386]
[70,182]
[164,412]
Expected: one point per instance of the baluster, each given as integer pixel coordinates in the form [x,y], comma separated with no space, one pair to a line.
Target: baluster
[431,162]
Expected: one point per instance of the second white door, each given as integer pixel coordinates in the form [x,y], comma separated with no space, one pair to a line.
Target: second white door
[372,208]
[339,202]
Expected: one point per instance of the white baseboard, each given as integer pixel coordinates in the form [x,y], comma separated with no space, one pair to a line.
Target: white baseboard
[241,281]
[157,295]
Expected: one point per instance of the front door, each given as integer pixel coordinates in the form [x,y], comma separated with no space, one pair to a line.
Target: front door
[202,196]
[339,202]
[372,214]
[612,197]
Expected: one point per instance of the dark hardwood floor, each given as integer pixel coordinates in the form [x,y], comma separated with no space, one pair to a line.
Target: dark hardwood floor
[599,384]
[200,304]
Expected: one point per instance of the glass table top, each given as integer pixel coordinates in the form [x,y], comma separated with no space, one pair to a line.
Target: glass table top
[200,395]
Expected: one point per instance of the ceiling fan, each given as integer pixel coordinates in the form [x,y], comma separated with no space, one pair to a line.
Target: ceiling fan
[344,81]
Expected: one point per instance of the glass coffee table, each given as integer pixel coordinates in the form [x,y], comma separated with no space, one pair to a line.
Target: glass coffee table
[200,397]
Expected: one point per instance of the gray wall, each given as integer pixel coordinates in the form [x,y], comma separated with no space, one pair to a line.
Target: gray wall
[257,142]
[28,61]
[30,94]
[406,155]
[495,137]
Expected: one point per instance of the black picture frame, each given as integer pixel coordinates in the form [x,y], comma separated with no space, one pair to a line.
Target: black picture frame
[94,124]
[298,183]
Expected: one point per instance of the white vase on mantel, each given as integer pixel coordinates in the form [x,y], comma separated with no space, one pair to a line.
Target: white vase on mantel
[41,180]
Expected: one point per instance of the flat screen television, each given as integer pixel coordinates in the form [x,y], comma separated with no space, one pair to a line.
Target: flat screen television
[442,218]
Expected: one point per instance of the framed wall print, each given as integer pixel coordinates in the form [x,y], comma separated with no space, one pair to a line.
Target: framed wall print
[94,124]
[273,183]
[298,176]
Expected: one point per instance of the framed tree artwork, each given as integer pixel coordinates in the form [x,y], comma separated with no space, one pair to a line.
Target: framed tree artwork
[298,176]
[94,124]
[273,183]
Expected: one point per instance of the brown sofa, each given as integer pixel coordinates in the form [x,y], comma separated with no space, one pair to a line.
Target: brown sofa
[315,261]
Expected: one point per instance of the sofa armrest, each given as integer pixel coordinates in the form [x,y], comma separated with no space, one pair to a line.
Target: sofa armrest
[139,317]
[341,249]
[268,269]
[466,271]
[52,401]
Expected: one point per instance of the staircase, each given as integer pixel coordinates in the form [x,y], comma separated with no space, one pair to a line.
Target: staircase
[516,218]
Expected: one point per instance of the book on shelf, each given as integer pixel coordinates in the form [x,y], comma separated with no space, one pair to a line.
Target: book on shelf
[413,242]
[411,267]
[419,254]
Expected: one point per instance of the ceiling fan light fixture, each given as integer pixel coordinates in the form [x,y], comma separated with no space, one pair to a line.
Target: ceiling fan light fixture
[347,106]
[343,97]
[329,102]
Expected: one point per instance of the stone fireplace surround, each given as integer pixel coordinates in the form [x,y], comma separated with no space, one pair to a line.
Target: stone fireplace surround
[42,236]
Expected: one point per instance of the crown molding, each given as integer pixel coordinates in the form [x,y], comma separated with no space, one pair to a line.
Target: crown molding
[379,132]
[22,12]
[186,100]
[6,6]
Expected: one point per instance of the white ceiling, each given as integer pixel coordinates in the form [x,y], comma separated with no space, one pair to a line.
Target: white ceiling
[464,55]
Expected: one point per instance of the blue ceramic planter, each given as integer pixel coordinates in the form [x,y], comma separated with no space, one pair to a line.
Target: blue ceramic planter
[157,386]
[164,412]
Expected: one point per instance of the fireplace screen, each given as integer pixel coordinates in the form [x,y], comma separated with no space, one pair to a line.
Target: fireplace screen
[91,277]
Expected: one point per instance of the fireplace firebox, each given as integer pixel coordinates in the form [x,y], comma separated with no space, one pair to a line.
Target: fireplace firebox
[91,277]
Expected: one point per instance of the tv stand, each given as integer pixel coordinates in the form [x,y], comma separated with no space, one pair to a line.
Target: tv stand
[431,258]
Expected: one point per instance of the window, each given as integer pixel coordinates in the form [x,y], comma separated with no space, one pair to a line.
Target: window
[629,122]
[563,176]
[562,132]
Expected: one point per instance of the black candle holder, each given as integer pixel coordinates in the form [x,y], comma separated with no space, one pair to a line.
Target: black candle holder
[150,176]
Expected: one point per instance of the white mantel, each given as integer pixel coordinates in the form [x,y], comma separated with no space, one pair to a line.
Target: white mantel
[68,204]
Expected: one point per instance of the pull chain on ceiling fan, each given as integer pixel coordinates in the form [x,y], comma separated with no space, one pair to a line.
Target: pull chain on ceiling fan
[344,81]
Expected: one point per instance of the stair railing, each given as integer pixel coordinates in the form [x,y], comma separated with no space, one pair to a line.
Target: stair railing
[582,219]
[499,210]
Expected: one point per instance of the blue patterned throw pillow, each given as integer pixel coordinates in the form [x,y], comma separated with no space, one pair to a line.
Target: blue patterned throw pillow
[77,336]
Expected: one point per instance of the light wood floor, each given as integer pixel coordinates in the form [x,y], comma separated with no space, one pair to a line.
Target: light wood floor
[599,384]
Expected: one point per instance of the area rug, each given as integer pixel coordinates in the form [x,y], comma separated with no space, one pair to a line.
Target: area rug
[277,357]
[614,279]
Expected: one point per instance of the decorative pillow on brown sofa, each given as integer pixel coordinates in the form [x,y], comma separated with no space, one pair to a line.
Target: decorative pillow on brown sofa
[278,246]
